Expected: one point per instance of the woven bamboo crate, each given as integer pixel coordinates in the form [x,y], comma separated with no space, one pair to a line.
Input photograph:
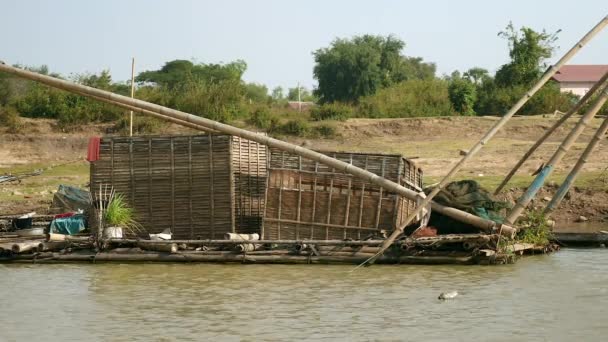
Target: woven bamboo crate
[308,200]
[199,186]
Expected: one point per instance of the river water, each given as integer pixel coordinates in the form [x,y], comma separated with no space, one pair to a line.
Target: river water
[559,297]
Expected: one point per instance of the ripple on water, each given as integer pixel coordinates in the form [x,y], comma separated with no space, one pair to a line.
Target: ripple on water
[556,297]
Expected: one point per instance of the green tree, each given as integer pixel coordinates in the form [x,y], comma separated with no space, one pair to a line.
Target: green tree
[463,94]
[277,94]
[255,92]
[528,51]
[477,75]
[176,73]
[351,68]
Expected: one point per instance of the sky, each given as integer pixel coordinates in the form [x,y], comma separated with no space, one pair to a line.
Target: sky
[276,38]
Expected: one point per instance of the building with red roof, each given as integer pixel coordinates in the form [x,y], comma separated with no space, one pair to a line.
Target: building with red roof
[578,79]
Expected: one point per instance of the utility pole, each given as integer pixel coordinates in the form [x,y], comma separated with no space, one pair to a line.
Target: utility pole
[132,94]
[299,99]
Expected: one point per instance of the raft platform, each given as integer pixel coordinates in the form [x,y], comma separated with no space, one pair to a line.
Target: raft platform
[462,249]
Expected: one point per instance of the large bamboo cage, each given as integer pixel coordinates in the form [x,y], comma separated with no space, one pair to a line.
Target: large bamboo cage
[309,200]
[200,187]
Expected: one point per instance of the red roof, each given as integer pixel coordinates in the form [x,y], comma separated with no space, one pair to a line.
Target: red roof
[580,73]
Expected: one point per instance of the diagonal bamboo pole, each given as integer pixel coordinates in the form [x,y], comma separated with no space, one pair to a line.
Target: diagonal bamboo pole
[563,189]
[559,154]
[484,140]
[193,121]
[550,131]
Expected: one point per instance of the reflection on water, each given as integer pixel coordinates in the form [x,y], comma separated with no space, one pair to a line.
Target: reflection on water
[557,297]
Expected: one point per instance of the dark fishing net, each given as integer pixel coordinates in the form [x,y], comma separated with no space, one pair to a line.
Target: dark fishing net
[469,196]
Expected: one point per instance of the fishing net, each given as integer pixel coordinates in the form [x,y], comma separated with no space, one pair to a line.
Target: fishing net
[469,196]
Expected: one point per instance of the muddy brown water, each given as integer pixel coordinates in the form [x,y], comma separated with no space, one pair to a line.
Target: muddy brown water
[559,297]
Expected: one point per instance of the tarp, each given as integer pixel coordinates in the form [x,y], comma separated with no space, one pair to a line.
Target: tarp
[69,198]
[68,225]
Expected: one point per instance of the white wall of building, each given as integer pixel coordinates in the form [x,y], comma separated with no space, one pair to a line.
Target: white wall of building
[576,88]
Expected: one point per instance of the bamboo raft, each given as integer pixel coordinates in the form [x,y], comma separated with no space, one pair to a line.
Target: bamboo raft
[459,249]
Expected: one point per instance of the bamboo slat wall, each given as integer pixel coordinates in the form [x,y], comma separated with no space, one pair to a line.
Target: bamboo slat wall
[186,183]
[308,200]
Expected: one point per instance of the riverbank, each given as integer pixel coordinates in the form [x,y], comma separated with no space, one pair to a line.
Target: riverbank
[433,143]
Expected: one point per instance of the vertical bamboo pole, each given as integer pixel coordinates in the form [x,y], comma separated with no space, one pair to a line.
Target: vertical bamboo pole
[132,95]
[563,189]
[550,131]
[484,140]
[539,181]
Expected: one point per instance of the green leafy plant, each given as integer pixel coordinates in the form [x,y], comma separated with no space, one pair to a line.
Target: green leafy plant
[534,229]
[120,214]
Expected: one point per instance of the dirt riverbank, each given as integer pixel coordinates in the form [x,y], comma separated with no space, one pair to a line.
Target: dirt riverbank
[434,143]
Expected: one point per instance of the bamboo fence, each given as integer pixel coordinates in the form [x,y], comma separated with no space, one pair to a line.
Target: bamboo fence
[199,186]
[309,200]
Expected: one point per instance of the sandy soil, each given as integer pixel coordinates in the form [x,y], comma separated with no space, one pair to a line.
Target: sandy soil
[433,143]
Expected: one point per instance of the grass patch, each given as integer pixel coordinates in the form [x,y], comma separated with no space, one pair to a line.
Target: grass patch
[534,229]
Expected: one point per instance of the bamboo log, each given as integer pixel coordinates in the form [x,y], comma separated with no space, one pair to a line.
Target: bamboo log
[240,258]
[486,138]
[6,246]
[158,247]
[25,246]
[236,242]
[559,154]
[62,237]
[571,178]
[550,131]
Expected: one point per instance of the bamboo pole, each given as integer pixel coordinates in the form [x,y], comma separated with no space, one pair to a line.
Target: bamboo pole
[231,258]
[571,178]
[148,108]
[484,140]
[550,131]
[559,154]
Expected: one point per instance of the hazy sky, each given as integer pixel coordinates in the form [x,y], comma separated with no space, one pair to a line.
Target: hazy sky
[276,38]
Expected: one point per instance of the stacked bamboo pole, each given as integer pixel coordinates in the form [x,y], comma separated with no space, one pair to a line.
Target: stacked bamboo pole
[550,131]
[563,189]
[559,154]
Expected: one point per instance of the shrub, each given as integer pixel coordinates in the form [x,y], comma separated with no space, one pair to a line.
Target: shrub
[497,101]
[331,111]
[297,127]
[219,101]
[325,131]
[261,117]
[414,98]
[463,95]
[9,118]
[141,124]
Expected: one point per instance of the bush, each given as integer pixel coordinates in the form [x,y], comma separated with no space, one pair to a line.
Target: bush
[9,119]
[497,101]
[261,117]
[325,131]
[219,101]
[297,127]
[415,98]
[331,111]
[463,95]
[141,124]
